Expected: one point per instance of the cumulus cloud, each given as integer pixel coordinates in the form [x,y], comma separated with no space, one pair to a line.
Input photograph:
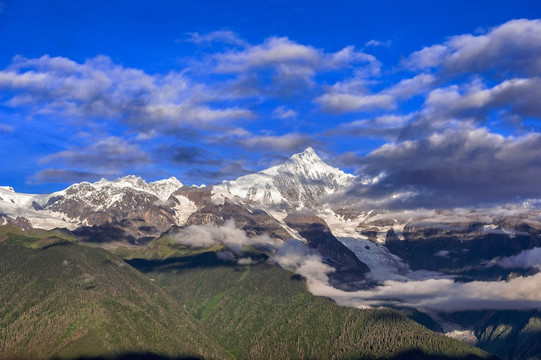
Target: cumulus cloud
[467,167]
[510,51]
[67,176]
[387,126]
[98,89]
[227,169]
[408,88]
[292,254]
[353,96]
[527,259]
[187,154]
[228,234]
[513,47]
[283,54]
[517,96]
[419,289]
[108,157]
[343,103]
[281,67]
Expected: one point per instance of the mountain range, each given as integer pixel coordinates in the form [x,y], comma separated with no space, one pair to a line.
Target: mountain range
[300,216]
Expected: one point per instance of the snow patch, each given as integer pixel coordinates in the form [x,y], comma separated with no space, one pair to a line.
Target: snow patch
[183,209]
[382,263]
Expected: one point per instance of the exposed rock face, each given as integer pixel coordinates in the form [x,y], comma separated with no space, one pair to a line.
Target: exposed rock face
[21,222]
[461,250]
[125,209]
[349,269]
[252,220]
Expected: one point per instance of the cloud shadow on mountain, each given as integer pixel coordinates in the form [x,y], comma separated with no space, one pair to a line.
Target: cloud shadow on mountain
[204,260]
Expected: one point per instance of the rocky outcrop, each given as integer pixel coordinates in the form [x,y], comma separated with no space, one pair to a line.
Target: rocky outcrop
[21,222]
[350,271]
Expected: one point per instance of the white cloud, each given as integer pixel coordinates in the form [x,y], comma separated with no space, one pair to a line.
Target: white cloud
[343,103]
[98,89]
[514,46]
[408,88]
[296,256]
[274,51]
[518,96]
[228,234]
[441,294]
[527,259]
[281,112]
[374,42]
[220,36]
[418,289]
[462,167]
[289,61]
[352,96]
[283,143]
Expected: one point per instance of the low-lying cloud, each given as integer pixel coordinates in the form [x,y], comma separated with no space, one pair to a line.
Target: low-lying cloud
[296,256]
[443,294]
[527,259]
[419,289]
[228,234]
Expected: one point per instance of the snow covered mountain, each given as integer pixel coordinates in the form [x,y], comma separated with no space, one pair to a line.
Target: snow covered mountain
[130,209]
[298,183]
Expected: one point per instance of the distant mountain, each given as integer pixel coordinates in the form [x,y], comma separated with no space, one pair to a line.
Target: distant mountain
[130,211]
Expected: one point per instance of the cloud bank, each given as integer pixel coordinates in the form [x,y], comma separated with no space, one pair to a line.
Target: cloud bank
[456,168]
[527,259]
[228,235]
[419,289]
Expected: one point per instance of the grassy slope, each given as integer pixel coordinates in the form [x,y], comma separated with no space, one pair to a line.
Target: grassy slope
[262,312]
[61,299]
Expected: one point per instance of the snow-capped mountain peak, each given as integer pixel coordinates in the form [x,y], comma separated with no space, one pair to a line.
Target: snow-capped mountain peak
[300,182]
[308,155]
[161,188]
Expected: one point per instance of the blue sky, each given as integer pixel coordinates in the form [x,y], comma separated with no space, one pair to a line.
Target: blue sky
[429,100]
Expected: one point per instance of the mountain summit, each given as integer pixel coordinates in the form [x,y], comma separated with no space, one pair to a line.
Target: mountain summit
[296,184]
[299,182]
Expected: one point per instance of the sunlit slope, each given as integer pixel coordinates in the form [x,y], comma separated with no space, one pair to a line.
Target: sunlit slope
[61,299]
[263,312]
